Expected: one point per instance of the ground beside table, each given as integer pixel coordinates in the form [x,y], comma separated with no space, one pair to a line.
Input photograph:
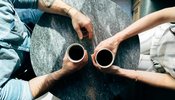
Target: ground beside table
[53,34]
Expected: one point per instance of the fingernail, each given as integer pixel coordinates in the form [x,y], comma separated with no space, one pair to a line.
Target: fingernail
[81,38]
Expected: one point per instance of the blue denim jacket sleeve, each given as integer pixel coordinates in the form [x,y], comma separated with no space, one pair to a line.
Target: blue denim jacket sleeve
[25,3]
[13,32]
[16,90]
[29,15]
[12,89]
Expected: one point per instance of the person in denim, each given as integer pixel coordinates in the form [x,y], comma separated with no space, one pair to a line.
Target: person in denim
[15,41]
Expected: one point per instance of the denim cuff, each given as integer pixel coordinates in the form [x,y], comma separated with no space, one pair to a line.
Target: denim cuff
[25,4]
[16,89]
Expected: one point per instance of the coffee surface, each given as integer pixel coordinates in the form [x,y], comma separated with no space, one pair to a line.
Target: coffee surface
[104,57]
[76,52]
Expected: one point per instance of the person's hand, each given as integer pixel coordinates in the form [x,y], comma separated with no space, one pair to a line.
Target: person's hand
[81,23]
[110,43]
[70,67]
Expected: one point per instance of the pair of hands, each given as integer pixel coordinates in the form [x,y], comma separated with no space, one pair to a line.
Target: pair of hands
[80,21]
[69,67]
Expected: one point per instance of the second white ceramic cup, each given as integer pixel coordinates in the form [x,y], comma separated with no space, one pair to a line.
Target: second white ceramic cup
[104,58]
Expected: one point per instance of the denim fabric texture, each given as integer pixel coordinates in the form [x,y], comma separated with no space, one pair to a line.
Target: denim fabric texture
[14,41]
[32,15]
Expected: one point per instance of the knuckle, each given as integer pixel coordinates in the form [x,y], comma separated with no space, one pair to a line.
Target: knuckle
[88,22]
[76,28]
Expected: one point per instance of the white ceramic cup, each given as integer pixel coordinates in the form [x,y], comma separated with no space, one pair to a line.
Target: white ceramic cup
[104,58]
[75,52]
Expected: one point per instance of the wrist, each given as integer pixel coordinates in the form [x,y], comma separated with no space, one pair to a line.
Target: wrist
[116,40]
[119,37]
[128,73]
[71,11]
[117,71]
[54,76]
[64,72]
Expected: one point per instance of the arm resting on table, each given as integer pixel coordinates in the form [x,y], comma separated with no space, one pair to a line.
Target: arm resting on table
[41,84]
[56,7]
[79,20]
[155,79]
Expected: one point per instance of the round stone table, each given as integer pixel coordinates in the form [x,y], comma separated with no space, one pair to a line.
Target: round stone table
[53,34]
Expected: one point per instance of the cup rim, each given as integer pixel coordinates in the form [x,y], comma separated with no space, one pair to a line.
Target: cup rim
[68,49]
[113,58]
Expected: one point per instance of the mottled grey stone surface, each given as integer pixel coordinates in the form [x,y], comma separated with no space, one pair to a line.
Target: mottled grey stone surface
[126,6]
[53,34]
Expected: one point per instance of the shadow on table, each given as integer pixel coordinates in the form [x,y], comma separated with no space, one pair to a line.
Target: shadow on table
[147,92]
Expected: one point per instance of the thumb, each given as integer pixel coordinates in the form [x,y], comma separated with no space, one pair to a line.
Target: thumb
[114,67]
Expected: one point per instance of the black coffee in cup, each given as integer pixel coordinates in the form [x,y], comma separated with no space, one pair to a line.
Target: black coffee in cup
[76,52]
[104,57]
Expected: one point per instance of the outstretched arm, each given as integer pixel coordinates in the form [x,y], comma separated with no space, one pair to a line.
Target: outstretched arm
[156,79]
[163,80]
[41,84]
[55,6]
[147,22]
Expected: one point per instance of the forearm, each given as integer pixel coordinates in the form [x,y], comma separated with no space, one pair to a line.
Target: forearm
[56,7]
[41,84]
[155,79]
[147,22]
